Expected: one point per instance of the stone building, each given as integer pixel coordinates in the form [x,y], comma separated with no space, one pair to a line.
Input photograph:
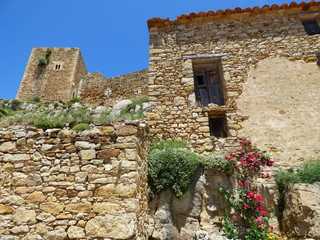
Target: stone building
[213,77]
[52,74]
[218,76]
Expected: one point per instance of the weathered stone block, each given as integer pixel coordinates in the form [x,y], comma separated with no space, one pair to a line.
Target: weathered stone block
[79,207]
[126,130]
[87,154]
[4,209]
[105,207]
[16,157]
[7,146]
[119,190]
[52,207]
[75,232]
[110,226]
[55,235]
[108,153]
[35,197]
[21,215]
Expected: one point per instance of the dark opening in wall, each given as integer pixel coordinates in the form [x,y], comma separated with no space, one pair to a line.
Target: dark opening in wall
[57,66]
[208,84]
[311,26]
[218,126]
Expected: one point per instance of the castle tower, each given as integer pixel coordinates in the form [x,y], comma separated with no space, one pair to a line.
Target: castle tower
[52,74]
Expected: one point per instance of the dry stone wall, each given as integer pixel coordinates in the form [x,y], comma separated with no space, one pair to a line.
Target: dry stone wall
[61,184]
[97,90]
[242,42]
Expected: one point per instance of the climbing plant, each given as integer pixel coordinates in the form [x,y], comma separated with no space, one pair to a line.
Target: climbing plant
[248,218]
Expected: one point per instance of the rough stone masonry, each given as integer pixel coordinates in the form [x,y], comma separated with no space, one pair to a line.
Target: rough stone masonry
[62,184]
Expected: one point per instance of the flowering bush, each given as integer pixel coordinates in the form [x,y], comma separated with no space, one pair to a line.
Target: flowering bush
[249,219]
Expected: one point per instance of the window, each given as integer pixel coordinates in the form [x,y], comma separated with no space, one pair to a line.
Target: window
[57,66]
[218,126]
[207,82]
[311,26]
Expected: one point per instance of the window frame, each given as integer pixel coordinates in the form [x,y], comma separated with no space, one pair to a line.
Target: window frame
[212,89]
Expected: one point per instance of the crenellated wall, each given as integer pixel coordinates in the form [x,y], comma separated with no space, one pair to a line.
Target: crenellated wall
[61,184]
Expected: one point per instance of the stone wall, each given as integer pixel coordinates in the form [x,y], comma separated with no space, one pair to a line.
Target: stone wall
[201,208]
[96,90]
[55,80]
[240,42]
[61,184]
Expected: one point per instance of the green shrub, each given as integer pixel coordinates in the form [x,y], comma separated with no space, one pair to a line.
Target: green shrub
[73,100]
[3,112]
[15,104]
[81,127]
[42,61]
[308,173]
[172,168]
[36,99]
[218,162]
[44,124]
[103,118]
[136,102]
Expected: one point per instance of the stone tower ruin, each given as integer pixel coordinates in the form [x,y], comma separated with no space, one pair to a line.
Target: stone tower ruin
[52,74]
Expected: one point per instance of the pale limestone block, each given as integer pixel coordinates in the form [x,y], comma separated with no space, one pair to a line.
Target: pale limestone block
[87,154]
[52,207]
[20,229]
[119,190]
[79,207]
[75,232]
[55,235]
[16,157]
[7,146]
[21,215]
[105,207]
[110,226]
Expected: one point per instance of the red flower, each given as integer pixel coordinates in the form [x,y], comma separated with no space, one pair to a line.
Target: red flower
[251,195]
[272,227]
[264,212]
[246,206]
[240,183]
[234,217]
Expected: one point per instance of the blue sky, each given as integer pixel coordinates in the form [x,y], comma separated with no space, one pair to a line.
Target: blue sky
[112,34]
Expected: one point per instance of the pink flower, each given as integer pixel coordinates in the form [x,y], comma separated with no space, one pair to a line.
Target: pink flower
[246,206]
[269,164]
[272,227]
[264,212]
[259,219]
[267,175]
[234,217]
[240,183]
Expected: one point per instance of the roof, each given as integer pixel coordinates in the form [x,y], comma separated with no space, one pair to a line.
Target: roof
[238,12]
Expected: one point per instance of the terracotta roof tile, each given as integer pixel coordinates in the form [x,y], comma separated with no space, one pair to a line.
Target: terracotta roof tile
[255,10]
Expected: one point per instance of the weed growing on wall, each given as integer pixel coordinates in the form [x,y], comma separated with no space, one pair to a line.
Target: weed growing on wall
[308,173]
[248,218]
[81,127]
[218,162]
